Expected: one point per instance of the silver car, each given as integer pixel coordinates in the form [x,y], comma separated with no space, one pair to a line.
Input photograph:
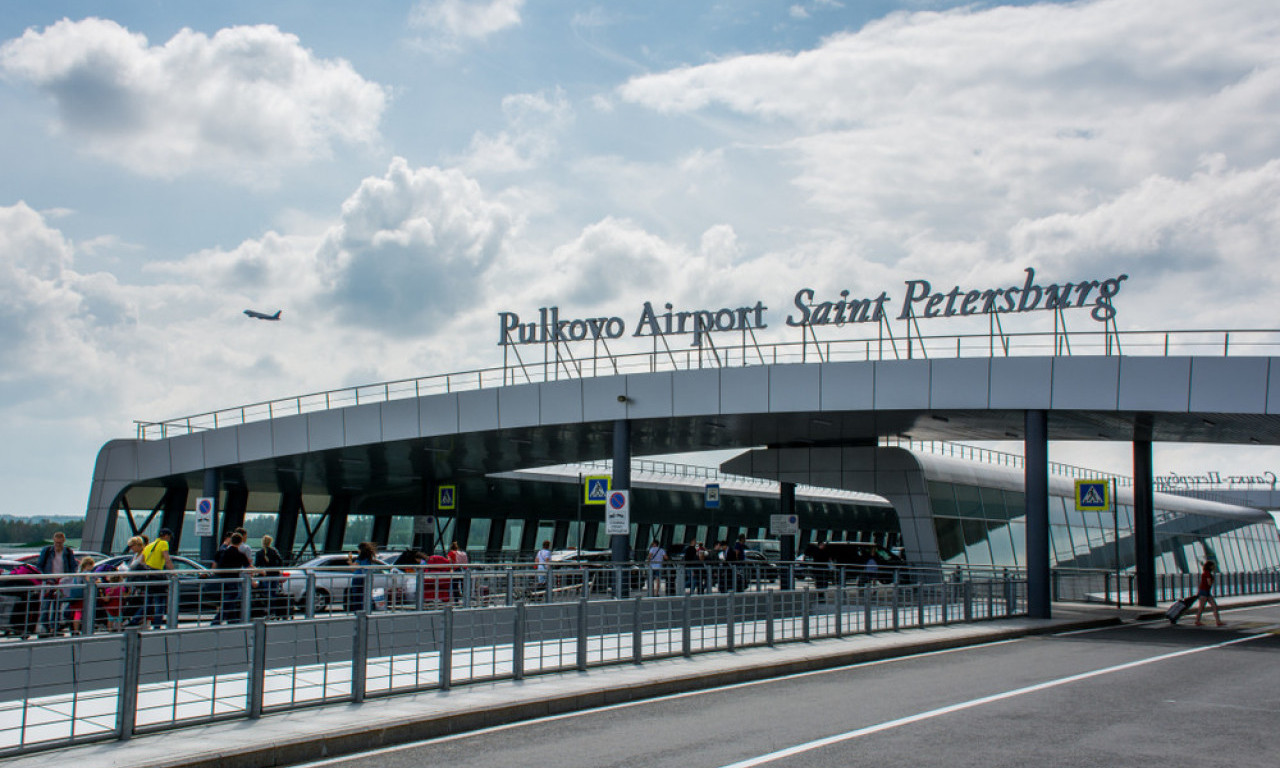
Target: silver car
[333,577]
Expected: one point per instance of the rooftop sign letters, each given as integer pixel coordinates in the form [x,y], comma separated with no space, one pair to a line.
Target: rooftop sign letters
[1214,479]
[919,300]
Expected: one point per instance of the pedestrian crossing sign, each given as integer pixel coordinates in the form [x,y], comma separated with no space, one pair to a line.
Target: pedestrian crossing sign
[1092,496]
[595,489]
[447,498]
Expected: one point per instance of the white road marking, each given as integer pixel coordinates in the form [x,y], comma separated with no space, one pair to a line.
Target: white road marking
[849,735]
[642,702]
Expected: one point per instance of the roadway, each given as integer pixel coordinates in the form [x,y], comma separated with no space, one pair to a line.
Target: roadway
[1142,693]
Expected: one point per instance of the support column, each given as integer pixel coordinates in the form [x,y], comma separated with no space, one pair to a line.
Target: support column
[287,523]
[1144,525]
[175,509]
[787,545]
[381,530]
[339,506]
[1035,454]
[209,544]
[621,544]
[235,506]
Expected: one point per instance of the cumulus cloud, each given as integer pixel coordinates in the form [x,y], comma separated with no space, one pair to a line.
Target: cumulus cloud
[51,317]
[975,141]
[243,103]
[450,23]
[534,123]
[414,245]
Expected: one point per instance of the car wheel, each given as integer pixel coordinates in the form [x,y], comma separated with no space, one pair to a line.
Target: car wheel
[322,600]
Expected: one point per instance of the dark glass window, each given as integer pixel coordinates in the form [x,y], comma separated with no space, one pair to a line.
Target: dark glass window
[950,540]
[942,496]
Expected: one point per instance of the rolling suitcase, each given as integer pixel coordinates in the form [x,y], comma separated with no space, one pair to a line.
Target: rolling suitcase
[1178,608]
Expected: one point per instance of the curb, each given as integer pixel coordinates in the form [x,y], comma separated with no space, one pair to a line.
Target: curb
[353,741]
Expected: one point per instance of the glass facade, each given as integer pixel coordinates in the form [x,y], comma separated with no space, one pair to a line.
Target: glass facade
[979,526]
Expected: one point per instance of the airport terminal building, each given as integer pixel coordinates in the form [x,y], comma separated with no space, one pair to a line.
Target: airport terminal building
[831,433]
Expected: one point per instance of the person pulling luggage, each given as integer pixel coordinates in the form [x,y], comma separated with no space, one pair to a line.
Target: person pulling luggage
[1207,578]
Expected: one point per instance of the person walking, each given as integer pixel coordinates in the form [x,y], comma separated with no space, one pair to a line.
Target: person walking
[155,556]
[691,566]
[360,592]
[231,560]
[269,562]
[1207,577]
[57,561]
[81,584]
[458,559]
[656,557]
[543,560]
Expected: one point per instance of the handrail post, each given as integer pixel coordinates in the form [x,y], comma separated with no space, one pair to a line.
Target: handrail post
[730,623]
[311,594]
[446,649]
[246,596]
[768,617]
[806,610]
[127,699]
[171,609]
[517,643]
[686,626]
[359,657]
[258,672]
[637,638]
[90,605]
[582,634]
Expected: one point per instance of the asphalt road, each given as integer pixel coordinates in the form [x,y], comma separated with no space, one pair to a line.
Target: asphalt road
[1146,694]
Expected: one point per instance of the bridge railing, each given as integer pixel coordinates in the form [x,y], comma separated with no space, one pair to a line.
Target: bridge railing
[559,362]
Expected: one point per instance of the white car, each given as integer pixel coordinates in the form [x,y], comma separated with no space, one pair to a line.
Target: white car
[333,578]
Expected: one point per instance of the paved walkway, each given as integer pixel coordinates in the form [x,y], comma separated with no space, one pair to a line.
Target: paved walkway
[310,734]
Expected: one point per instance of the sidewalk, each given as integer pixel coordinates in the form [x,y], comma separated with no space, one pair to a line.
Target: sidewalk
[310,734]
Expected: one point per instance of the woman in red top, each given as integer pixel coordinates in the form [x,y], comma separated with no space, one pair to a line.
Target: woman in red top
[1206,587]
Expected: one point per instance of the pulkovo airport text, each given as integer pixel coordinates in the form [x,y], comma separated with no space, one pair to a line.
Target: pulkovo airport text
[919,300]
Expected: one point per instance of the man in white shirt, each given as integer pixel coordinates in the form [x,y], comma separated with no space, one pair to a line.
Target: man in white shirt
[541,560]
[656,557]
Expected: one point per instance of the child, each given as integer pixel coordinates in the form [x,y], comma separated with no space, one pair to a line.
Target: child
[113,593]
[75,599]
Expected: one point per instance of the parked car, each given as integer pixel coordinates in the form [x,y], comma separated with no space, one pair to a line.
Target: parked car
[601,566]
[852,557]
[333,579]
[19,600]
[771,549]
[200,590]
[79,554]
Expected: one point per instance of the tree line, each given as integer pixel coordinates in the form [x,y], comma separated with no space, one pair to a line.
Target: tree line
[28,530]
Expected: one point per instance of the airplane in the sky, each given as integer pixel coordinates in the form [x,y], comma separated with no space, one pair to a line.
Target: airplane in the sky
[262,315]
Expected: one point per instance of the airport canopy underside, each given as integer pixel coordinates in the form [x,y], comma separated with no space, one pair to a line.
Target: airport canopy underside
[386,461]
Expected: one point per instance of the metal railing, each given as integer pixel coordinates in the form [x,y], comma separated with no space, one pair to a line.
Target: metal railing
[999,458]
[1099,586]
[116,685]
[564,366]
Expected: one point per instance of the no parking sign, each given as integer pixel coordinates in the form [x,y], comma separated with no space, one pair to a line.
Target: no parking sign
[617,514]
[204,516]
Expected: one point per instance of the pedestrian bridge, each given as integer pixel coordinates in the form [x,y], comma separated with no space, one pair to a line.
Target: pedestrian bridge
[379,446]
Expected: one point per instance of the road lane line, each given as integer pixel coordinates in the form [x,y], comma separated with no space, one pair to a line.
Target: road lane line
[888,725]
[642,702]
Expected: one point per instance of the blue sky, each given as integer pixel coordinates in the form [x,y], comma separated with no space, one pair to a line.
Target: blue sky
[393,175]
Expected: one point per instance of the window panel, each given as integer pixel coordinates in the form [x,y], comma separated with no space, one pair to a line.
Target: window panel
[950,540]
